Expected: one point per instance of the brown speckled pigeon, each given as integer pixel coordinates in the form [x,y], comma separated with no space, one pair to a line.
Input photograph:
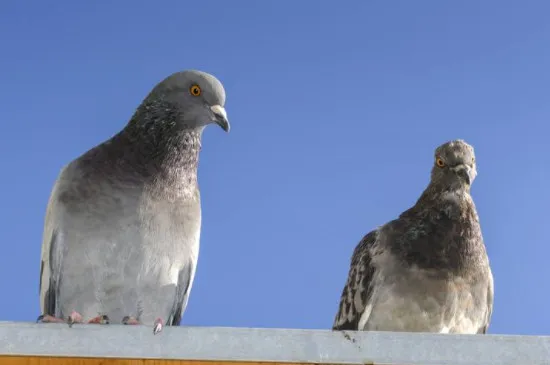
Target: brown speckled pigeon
[427,270]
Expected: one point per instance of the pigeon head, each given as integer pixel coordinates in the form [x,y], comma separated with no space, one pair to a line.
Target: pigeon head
[454,165]
[197,97]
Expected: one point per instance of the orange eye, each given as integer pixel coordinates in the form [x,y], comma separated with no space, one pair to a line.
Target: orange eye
[439,162]
[195,90]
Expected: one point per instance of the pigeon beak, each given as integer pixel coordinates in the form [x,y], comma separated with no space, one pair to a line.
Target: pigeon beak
[466,172]
[220,117]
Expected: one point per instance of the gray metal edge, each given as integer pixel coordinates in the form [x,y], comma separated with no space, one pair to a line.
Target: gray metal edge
[277,345]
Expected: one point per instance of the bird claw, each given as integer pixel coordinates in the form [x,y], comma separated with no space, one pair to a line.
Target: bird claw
[75,317]
[46,318]
[158,326]
[128,320]
[102,319]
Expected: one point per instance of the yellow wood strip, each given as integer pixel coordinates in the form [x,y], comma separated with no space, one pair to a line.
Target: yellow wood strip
[47,360]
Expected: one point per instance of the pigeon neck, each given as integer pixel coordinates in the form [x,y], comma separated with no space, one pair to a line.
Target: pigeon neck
[160,143]
[450,237]
[434,192]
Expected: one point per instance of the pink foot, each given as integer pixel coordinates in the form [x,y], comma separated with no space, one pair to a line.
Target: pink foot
[103,319]
[75,317]
[158,326]
[46,318]
[130,320]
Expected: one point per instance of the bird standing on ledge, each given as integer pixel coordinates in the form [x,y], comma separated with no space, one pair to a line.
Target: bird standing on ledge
[428,270]
[122,228]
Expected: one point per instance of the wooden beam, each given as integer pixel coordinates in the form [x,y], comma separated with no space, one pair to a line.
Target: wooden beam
[49,360]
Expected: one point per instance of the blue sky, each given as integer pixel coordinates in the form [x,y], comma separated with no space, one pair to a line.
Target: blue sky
[336,108]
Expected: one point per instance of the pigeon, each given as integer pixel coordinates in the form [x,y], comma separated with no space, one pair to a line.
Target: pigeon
[427,270]
[123,221]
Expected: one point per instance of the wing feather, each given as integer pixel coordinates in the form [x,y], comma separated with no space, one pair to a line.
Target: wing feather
[183,289]
[50,257]
[490,300]
[358,292]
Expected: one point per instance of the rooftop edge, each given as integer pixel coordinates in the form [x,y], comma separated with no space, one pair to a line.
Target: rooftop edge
[270,345]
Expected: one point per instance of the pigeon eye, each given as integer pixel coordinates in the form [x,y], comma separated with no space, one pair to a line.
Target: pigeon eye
[439,162]
[195,90]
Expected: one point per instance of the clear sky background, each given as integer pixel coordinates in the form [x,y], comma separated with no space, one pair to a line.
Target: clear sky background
[336,108]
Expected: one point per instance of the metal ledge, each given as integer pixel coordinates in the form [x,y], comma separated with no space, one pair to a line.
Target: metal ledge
[269,345]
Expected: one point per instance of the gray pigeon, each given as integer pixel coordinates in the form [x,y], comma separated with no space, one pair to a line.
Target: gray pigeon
[426,271]
[122,228]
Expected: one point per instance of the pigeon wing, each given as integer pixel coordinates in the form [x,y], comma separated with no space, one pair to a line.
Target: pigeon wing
[52,251]
[490,299]
[183,289]
[357,295]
